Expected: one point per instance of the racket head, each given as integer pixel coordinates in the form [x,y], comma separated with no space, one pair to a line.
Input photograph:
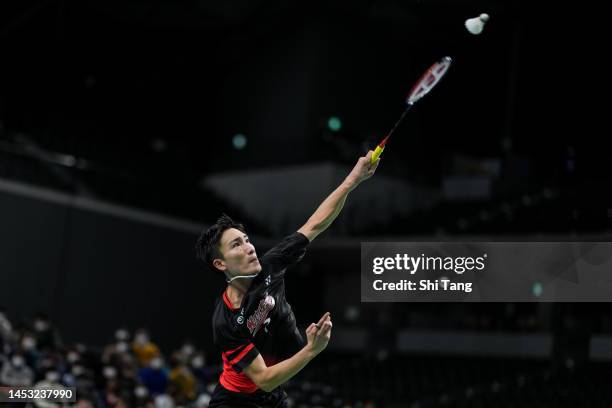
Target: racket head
[429,80]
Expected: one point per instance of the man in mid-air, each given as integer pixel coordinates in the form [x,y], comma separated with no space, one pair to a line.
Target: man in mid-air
[253,323]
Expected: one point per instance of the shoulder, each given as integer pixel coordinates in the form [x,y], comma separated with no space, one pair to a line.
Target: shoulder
[290,249]
[227,326]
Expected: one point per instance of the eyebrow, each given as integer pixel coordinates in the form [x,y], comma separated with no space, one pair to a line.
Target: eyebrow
[236,239]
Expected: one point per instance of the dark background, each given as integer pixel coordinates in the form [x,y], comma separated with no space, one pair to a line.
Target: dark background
[134,104]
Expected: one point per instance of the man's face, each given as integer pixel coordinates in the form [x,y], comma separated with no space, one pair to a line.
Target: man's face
[239,257]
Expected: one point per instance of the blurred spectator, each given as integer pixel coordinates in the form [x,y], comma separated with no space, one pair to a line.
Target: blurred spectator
[28,347]
[164,401]
[202,401]
[122,335]
[141,396]
[84,403]
[50,382]
[183,384]
[112,389]
[199,369]
[112,377]
[50,361]
[15,372]
[187,351]
[6,329]
[117,353]
[154,377]
[144,349]
[46,335]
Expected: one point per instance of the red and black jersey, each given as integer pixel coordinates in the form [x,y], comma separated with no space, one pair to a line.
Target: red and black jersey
[264,323]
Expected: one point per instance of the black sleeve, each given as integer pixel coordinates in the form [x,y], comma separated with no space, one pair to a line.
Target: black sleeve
[237,351]
[287,252]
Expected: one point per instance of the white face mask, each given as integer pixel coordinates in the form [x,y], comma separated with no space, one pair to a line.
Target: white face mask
[198,362]
[40,325]
[121,347]
[109,372]
[77,370]
[156,363]
[163,401]
[187,350]
[141,339]
[203,400]
[17,361]
[52,376]
[72,357]
[28,343]
[141,391]
[121,335]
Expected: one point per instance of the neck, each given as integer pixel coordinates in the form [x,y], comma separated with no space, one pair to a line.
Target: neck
[236,290]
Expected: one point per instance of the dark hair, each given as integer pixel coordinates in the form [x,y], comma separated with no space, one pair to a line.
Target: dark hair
[207,246]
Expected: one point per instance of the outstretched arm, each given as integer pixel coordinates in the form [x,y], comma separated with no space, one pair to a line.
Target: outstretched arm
[332,205]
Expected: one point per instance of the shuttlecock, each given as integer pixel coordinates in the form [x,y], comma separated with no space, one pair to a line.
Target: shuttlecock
[476,24]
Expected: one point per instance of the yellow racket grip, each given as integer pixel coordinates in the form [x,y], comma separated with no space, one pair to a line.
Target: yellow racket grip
[377,152]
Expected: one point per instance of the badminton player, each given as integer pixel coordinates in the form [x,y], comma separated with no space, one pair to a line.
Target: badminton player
[253,324]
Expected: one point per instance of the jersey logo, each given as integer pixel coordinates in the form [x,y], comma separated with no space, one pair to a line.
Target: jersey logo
[266,323]
[240,319]
[255,321]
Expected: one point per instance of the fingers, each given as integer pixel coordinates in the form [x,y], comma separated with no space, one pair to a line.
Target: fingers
[375,165]
[326,329]
[315,329]
[368,161]
[325,316]
[312,329]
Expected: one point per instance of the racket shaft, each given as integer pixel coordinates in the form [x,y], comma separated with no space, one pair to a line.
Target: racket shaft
[380,148]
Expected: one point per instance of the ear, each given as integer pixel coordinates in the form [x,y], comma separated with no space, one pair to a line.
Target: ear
[219,264]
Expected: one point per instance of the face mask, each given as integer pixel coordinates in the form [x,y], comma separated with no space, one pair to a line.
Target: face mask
[142,339]
[40,325]
[17,361]
[187,350]
[72,357]
[121,347]
[198,362]
[52,376]
[163,401]
[77,370]
[109,372]
[121,335]
[28,343]
[203,400]
[156,363]
[141,392]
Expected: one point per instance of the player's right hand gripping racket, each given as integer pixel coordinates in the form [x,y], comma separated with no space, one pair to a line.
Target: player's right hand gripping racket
[421,88]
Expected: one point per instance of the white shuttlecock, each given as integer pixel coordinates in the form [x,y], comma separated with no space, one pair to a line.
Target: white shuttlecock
[476,24]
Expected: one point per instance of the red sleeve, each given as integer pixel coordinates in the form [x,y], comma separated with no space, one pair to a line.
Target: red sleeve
[237,349]
[240,357]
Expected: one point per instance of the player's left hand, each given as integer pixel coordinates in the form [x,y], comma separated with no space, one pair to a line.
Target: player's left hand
[318,335]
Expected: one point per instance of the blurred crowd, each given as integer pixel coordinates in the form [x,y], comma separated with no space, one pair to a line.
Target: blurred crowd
[129,371]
